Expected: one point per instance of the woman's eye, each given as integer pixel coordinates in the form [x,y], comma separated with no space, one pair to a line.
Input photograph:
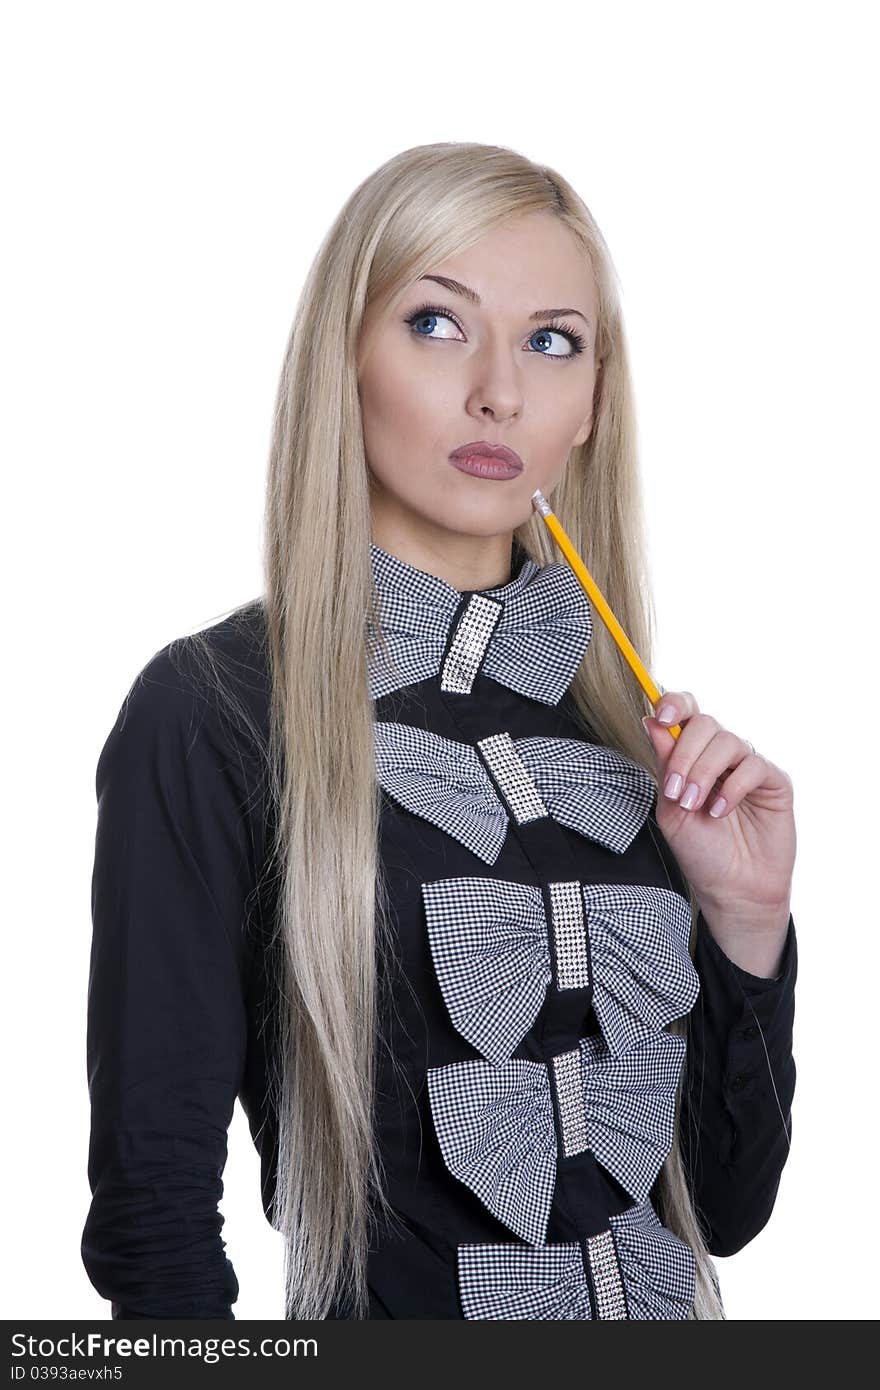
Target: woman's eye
[424,320]
[421,319]
[547,333]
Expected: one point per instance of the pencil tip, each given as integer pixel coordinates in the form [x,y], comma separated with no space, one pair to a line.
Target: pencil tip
[540,503]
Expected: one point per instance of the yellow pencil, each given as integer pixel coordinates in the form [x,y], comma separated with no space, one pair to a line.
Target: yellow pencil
[653,692]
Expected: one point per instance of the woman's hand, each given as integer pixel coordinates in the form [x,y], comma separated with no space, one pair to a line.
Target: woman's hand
[740,862]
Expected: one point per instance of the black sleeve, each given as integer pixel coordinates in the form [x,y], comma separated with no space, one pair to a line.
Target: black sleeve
[167,1027]
[739,1086]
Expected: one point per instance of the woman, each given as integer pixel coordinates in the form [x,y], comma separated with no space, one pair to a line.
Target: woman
[383,853]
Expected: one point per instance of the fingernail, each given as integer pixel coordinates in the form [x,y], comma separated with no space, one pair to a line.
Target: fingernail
[666,714]
[691,793]
[645,719]
[673,785]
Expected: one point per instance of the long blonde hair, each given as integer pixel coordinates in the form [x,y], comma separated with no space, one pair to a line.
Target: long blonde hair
[420,207]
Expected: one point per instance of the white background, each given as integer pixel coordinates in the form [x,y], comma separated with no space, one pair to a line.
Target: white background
[169,170]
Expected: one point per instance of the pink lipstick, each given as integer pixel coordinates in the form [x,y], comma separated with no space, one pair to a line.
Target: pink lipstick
[486,460]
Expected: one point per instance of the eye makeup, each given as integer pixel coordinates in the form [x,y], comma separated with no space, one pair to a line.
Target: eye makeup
[578,342]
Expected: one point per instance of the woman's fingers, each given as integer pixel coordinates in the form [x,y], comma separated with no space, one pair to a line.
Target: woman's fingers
[703,756]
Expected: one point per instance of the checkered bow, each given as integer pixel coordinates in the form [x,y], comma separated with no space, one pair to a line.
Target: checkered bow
[539,622]
[495,1124]
[592,789]
[509,1281]
[490,944]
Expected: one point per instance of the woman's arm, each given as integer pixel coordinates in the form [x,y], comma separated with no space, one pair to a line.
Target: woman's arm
[167,1028]
[736,1112]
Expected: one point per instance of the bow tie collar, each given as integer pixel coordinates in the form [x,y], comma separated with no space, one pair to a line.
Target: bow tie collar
[529,634]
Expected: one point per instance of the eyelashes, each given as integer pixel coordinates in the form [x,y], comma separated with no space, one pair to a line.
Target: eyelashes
[578,343]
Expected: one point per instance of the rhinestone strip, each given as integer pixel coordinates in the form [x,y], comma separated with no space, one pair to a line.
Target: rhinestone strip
[475,628]
[607,1282]
[511,774]
[570,1092]
[570,935]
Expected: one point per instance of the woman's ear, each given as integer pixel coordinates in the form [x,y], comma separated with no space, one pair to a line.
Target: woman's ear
[583,433]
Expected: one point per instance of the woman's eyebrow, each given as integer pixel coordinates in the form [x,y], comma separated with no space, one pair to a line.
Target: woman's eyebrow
[456,287]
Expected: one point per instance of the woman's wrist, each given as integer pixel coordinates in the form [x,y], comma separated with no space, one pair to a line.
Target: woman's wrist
[753,941]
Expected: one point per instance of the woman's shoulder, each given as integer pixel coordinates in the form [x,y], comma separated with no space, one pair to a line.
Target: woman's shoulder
[210,685]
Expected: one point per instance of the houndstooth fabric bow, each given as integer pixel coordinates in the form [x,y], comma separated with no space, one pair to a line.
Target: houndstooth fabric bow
[649,1274]
[495,1124]
[585,786]
[529,634]
[490,941]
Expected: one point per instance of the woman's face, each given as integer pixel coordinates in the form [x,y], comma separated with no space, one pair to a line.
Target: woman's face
[501,370]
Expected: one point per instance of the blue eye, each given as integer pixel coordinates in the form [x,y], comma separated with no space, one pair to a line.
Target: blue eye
[555,333]
[427,312]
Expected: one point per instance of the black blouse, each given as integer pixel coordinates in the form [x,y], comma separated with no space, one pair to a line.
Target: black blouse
[526,1098]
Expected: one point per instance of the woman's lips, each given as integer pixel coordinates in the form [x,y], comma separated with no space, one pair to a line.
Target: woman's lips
[485,466]
[487,460]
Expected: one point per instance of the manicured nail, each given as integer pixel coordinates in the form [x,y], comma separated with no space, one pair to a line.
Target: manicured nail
[718,805]
[673,785]
[690,796]
[666,714]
